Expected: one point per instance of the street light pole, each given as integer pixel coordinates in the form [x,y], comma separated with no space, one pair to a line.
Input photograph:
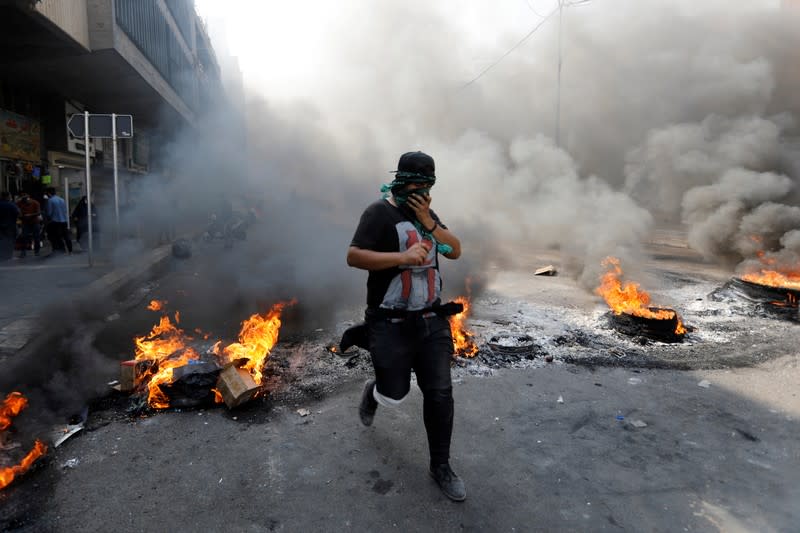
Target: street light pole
[116,180]
[88,183]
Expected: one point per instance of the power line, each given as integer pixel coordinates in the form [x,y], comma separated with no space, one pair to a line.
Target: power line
[534,11]
[562,2]
[519,43]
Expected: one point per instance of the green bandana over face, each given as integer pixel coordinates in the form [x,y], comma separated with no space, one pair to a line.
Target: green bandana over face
[398,186]
[401,194]
[401,197]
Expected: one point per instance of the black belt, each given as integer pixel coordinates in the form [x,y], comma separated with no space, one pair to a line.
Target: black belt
[448,309]
[398,314]
[357,335]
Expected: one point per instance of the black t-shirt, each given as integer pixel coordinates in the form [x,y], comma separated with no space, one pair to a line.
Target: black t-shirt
[386,228]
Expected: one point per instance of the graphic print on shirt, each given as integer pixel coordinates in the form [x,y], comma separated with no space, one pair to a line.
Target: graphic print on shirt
[416,287]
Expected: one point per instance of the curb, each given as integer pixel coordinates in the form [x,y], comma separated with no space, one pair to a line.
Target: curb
[17,335]
[120,279]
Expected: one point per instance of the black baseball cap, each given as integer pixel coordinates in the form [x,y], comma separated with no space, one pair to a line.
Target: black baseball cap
[418,163]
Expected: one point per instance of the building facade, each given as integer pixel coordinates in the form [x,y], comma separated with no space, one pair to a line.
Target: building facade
[148,58]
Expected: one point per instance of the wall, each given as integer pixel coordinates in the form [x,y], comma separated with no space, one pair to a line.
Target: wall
[70,16]
[101,24]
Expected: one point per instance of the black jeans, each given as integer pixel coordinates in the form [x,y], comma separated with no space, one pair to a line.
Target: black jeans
[8,237]
[30,232]
[425,345]
[59,235]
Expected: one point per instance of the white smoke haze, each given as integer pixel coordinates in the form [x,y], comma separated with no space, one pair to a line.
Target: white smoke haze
[791,241]
[672,111]
[659,101]
[785,259]
[770,222]
[661,172]
[715,213]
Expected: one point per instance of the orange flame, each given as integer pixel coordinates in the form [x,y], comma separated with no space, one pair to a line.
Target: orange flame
[462,337]
[772,274]
[257,336]
[217,396]
[14,403]
[156,305]
[629,297]
[165,345]
[155,396]
[7,475]
[773,278]
[162,341]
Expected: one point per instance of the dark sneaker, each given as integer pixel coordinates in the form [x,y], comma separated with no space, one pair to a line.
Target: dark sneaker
[449,482]
[368,405]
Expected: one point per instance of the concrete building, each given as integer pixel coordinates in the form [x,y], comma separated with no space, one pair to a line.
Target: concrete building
[148,58]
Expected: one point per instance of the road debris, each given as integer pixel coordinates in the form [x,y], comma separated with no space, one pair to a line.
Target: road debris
[236,386]
[71,463]
[62,433]
[548,270]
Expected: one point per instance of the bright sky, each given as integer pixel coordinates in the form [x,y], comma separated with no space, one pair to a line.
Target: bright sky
[283,45]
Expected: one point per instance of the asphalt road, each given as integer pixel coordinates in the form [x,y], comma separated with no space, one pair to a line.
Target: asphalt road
[542,447]
[708,460]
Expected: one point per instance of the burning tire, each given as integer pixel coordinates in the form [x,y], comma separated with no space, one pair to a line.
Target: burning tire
[666,327]
[768,300]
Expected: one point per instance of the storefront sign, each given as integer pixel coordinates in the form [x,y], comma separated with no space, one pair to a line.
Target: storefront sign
[20,137]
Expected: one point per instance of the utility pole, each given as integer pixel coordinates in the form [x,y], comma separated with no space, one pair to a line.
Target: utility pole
[558,77]
[561,5]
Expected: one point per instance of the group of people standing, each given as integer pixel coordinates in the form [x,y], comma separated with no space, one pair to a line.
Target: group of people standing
[22,222]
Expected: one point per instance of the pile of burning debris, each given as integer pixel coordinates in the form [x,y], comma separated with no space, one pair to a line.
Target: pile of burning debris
[174,369]
[170,369]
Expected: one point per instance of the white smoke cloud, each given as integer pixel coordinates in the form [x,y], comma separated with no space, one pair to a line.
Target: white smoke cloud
[665,108]
[677,158]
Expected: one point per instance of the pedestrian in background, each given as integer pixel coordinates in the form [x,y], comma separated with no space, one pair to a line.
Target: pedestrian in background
[81,217]
[9,213]
[398,240]
[31,216]
[57,221]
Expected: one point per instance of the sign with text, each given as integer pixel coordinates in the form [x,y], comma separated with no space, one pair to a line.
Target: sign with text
[20,136]
[101,126]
